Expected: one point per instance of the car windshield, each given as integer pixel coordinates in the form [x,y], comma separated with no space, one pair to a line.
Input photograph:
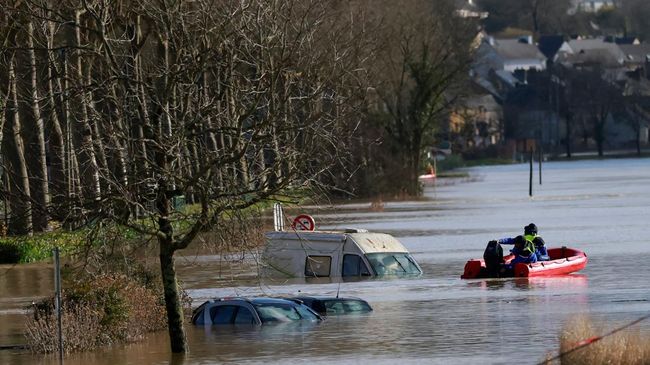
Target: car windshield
[393,263]
[281,312]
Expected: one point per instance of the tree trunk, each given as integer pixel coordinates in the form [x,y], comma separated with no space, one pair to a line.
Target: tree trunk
[88,160]
[21,199]
[173,303]
[39,216]
[57,149]
[71,165]
[166,241]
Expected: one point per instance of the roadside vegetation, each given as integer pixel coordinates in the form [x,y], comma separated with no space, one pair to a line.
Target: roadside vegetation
[100,309]
[629,346]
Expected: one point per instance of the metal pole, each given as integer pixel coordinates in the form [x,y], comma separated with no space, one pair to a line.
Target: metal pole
[57,288]
[530,179]
[540,156]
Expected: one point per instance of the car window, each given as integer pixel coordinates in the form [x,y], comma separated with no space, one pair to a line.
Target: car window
[318,266]
[353,265]
[305,313]
[222,314]
[244,316]
[346,306]
[277,312]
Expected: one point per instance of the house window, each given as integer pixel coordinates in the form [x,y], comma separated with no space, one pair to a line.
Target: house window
[318,266]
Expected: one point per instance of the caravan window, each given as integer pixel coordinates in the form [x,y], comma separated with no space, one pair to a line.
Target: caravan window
[353,265]
[318,266]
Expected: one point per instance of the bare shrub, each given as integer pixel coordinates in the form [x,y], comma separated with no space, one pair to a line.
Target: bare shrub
[101,311]
[626,347]
[81,330]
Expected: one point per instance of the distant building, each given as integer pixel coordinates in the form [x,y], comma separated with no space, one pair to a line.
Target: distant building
[468,9]
[509,55]
[637,58]
[589,6]
[590,52]
[476,120]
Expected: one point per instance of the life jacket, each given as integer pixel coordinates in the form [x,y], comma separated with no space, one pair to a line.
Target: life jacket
[529,246]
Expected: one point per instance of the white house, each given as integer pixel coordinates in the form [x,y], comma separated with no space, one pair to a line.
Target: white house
[591,51]
[509,55]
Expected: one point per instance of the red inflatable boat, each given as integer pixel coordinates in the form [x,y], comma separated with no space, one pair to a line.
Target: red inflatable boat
[563,261]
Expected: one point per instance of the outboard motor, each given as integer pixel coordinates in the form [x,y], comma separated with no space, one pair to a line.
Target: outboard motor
[493,257]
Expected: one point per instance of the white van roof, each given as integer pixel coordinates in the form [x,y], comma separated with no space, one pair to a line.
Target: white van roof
[368,242]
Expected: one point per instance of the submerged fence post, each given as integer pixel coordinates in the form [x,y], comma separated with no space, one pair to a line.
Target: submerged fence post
[57,288]
[540,156]
[530,179]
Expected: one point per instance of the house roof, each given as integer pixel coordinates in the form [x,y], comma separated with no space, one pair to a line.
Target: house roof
[636,53]
[550,44]
[592,51]
[593,57]
[515,49]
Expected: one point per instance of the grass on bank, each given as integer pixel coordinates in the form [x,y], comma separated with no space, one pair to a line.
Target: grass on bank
[628,346]
[39,246]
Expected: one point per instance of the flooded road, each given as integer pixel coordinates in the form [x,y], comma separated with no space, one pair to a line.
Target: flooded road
[600,207]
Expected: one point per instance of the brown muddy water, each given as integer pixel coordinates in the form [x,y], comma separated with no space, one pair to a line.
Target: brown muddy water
[601,207]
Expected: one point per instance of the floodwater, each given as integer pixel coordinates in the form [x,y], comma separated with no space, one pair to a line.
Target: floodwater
[601,207]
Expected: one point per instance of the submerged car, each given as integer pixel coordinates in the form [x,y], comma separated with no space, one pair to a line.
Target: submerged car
[252,311]
[328,306]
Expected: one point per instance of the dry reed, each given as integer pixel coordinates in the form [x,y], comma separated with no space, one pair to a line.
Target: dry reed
[628,346]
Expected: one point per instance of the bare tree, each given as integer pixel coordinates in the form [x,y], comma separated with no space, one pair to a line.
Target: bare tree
[426,52]
[228,104]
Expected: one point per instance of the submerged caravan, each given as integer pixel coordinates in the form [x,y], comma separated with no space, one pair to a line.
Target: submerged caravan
[349,253]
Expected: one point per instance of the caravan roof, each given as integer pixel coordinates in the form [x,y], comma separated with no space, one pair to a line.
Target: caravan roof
[367,241]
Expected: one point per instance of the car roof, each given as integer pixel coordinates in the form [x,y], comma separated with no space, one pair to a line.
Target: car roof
[252,300]
[266,300]
[326,298]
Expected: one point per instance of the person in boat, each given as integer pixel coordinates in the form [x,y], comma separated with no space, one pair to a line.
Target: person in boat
[530,234]
[532,239]
[524,251]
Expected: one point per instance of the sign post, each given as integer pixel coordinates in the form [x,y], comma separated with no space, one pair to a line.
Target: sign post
[57,288]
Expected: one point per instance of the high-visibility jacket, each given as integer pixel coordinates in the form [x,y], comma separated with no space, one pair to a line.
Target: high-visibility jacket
[529,246]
